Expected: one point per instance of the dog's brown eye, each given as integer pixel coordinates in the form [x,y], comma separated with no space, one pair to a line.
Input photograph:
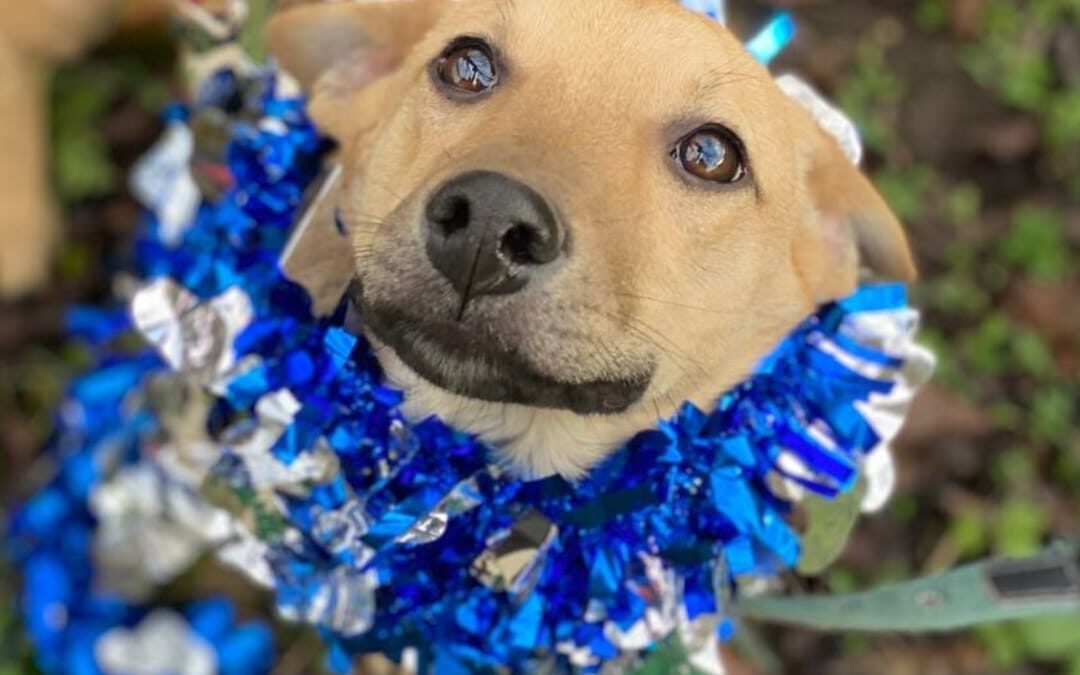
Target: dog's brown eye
[467,66]
[711,153]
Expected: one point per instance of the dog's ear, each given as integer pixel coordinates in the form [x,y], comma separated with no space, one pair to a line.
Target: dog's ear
[855,233]
[337,49]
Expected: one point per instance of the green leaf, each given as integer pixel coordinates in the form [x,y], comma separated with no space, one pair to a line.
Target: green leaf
[1014,470]
[987,346]
[963,205]
[1027,83]
[1004,644]
[906,190]
[252,39]
[1037,244]
[960,295]
[1063,119]
[1053,415]
[842,581]
[968,532]
[932,15]
[829,525]
[904,508]
[669,658]
[1006,415]
[1020,528]
[1051,638]
[82,166]
[1032,354]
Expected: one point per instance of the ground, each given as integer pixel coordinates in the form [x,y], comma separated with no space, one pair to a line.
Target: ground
[971,113]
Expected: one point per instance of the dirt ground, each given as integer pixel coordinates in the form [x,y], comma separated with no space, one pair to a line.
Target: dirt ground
[971,113]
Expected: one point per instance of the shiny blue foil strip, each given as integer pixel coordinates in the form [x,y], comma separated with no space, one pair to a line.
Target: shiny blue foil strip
[773,39]
[714,9]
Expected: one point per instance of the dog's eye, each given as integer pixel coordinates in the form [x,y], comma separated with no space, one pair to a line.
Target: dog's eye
[711,153]
[468,66]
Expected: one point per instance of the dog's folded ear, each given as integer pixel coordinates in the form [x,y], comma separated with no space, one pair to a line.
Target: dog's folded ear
[336,49]
[857,234]
[369,38]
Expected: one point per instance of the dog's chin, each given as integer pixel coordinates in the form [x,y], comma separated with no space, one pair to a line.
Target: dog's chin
[451,358]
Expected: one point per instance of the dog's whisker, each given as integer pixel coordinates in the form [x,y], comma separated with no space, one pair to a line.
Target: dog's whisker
[388,190]
[632,218]
[672,303]
[363,220]
[645,333]
[644,330]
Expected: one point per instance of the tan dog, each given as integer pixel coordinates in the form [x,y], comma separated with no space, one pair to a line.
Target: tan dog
[34,37]
[570,217]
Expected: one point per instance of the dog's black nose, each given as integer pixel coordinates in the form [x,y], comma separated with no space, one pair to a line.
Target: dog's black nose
[488,233]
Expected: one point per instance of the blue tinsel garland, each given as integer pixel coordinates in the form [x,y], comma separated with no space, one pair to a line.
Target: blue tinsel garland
[389,551]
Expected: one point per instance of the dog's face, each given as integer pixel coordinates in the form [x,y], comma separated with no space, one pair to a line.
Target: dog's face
[570,217]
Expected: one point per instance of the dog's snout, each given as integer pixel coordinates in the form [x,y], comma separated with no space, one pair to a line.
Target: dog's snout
[488,233]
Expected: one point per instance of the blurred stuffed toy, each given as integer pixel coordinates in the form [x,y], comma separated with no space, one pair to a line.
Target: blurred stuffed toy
[35,37]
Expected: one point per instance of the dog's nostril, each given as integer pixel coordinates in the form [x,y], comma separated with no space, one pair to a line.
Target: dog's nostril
[522,245]
[451,214]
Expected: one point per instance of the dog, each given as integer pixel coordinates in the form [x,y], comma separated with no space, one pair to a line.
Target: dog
[569,218]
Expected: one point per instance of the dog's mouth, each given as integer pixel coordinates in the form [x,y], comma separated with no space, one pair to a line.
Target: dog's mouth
[448,355]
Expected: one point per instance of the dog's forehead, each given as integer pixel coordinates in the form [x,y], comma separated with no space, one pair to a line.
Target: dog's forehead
[653,51]
[661,31]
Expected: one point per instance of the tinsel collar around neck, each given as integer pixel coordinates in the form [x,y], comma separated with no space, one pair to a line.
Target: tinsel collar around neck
[290,459]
